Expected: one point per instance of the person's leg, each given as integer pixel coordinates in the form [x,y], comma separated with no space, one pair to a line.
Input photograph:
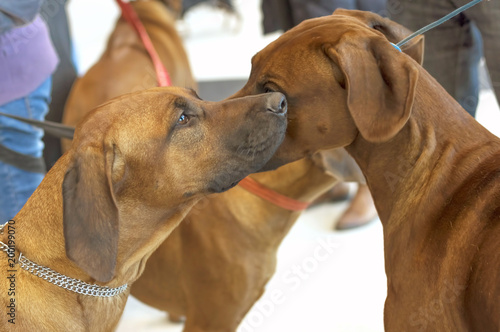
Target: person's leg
[452,50]
[54,13]
[276,15]
[376,6]
[486,16]
[303,10]
[16,184]
[466,90]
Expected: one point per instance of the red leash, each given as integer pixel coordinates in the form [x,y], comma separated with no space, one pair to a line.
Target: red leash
[130,15]
[272,196]
[163,79]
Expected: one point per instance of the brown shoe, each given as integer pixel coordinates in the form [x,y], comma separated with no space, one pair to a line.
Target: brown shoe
[339,193]
[176,318]
[360,211]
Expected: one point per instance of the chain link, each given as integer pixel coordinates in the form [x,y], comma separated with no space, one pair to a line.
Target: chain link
[61,280]
[68,283]
[3,246]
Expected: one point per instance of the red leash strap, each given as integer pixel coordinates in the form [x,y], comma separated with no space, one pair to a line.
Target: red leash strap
[130,15]
[272,196]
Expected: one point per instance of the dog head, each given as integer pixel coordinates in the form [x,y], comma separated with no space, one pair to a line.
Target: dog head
[341,77]
[152,153]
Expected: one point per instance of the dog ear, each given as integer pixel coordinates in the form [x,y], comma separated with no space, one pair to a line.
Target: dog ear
[393,31]
[415,49]
[380,83]
[90,214]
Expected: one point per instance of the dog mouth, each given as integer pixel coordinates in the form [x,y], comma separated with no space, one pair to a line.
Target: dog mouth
[253,150]
[251,144]
[249,157]
[216,188]
[263,140]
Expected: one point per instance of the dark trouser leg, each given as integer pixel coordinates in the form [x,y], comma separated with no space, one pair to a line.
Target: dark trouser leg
[452,50]
[54,14]
[486,16]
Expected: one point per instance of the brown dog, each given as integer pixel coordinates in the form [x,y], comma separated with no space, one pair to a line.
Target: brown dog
[432,169]
[136,166]
[125,66]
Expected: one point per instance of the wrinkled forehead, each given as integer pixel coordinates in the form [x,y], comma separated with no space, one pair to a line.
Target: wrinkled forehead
[142,111]
[155,100]
[310,35]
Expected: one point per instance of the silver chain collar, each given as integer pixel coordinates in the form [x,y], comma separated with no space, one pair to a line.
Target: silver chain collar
[61,280]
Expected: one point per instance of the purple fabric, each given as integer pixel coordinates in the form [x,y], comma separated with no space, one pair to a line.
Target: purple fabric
[27,58]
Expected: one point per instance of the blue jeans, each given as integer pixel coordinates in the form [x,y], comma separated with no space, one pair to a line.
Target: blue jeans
[453,50]
[17,185]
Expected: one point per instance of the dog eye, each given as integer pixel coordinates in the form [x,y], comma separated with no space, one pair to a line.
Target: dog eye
[268,89]
[183,119]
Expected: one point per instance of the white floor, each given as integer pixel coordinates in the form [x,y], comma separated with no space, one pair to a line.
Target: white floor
[344,292]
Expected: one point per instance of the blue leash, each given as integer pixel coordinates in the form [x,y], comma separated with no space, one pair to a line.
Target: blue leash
[435,24]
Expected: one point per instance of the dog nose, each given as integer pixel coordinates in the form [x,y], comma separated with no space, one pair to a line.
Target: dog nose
[277,103]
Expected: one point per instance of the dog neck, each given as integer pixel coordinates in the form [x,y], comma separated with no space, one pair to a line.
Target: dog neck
[142,237]
[153,15]
[40,237]
[436,142]
[160,24]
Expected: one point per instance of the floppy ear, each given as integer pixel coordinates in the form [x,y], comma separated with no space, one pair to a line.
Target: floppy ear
[415,49]
[393,31]
[90,215]
[380,83]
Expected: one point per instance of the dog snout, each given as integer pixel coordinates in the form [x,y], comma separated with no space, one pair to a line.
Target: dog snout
[276,103]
